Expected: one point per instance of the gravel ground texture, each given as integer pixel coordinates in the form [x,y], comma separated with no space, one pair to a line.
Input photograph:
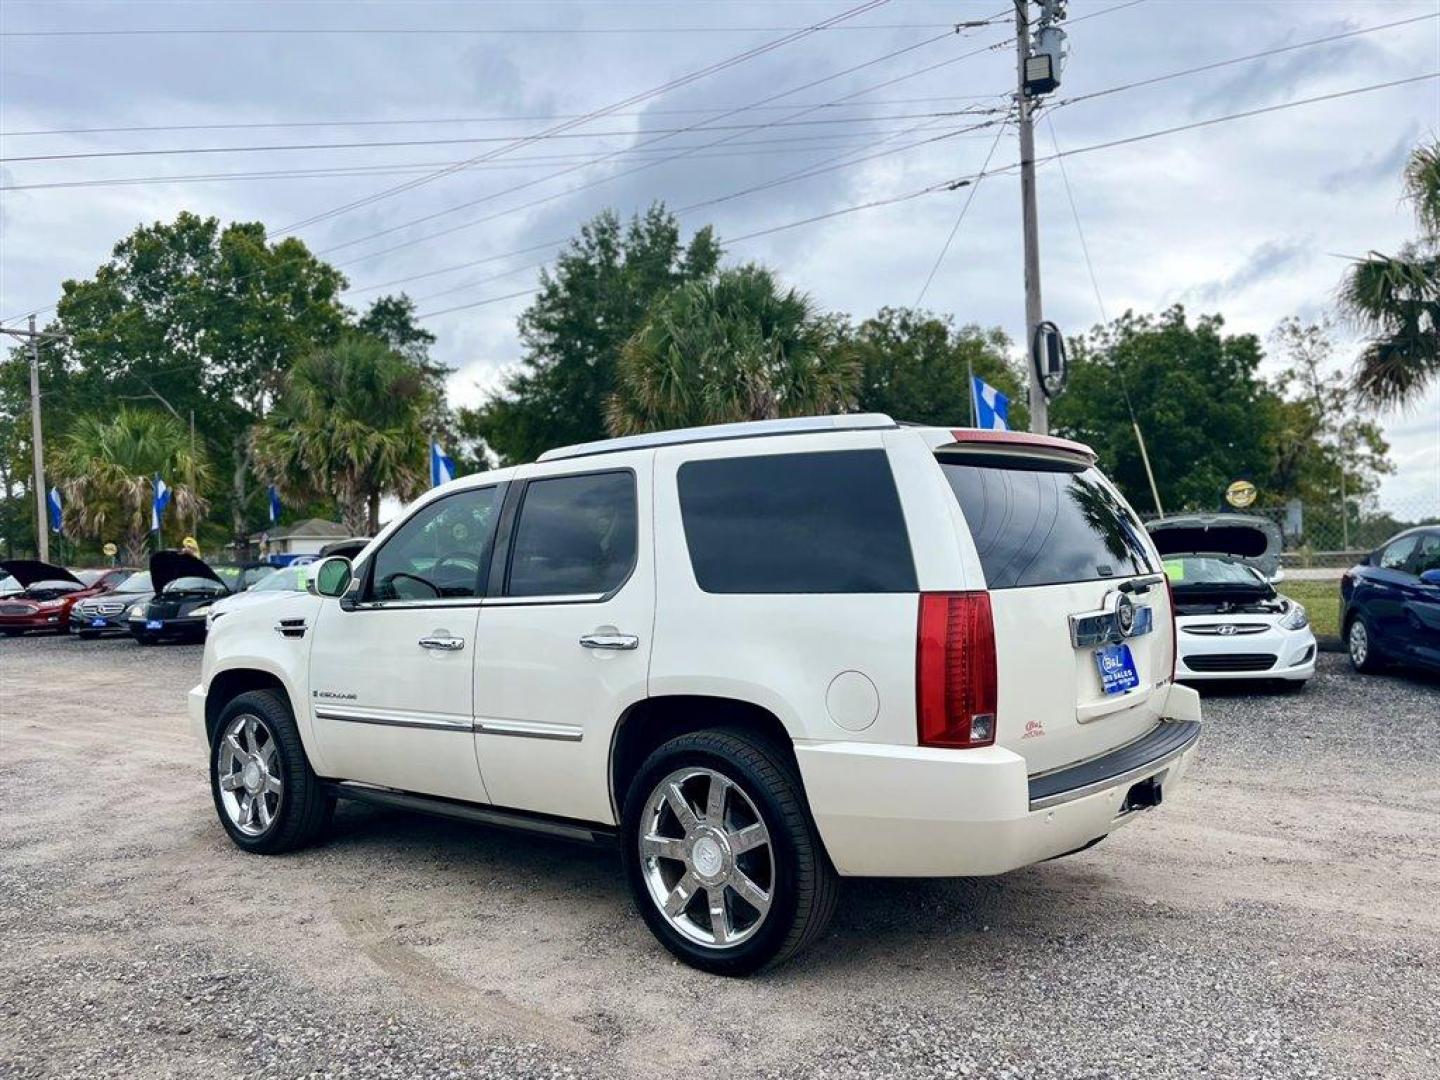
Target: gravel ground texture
[1278,917]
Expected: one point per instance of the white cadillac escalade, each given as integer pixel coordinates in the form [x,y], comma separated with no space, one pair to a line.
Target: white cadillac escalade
[760,656]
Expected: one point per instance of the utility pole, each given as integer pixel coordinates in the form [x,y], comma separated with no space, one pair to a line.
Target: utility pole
[1039,403]
[37,442]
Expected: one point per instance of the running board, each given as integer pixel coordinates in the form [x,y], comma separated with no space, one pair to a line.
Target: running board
[560,828]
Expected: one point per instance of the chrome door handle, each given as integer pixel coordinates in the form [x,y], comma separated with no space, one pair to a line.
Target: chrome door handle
[445,644]
[610,641]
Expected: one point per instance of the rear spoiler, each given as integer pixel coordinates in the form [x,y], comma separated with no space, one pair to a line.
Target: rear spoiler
[1016,444]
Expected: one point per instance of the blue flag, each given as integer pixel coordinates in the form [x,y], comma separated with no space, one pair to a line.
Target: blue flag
[274,504]
[54,503]
[992,408]
[442,469]
[162,500]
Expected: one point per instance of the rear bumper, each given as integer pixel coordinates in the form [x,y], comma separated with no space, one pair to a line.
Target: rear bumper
[908,811]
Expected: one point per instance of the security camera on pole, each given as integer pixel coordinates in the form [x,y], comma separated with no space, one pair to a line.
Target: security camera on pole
[1040,63]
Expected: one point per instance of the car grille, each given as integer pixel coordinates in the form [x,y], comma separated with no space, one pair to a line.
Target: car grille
[16,609]
[103,607]
[1215,629]
[1231,662]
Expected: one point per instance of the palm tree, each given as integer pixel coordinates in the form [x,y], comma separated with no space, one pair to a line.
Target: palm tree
[349,425]
[106,468]
[1395,299]
[735,346]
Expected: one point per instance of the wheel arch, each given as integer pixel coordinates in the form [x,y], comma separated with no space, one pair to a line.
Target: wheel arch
[225,686]
[655,720]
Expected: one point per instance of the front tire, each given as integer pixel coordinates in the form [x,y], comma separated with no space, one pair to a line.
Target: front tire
[268,798]
[1360,643]
[721,854]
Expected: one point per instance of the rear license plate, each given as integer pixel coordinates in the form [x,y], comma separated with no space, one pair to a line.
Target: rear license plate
[156,624]
[97,622]
[1117,669]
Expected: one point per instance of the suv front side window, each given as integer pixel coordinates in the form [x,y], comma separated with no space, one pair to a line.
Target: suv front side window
[576,536]
[441,553]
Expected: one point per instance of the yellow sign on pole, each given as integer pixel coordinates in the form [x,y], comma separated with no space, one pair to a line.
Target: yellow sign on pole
[1240,494]
[111,550]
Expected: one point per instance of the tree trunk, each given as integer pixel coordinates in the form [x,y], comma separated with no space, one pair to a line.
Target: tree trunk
[241,490]
[373,513]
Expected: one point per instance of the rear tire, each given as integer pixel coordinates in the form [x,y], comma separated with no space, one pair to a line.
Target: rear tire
[750,862]
[268,798]
[1365,656]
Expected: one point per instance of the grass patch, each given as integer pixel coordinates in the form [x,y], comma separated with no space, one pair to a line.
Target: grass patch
[1321,600]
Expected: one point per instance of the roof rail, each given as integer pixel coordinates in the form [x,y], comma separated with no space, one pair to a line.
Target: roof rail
[750,429]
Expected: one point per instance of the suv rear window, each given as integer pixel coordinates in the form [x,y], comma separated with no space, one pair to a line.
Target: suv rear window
[825,522]
[1034,527]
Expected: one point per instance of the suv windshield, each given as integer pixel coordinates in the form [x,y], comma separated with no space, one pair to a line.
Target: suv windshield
[1034,526]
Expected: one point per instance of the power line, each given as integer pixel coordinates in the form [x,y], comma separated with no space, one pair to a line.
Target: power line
[454,31]
[1274,51]
[740,149]
[964,209]
[438,120]
[634,99]
[282,147]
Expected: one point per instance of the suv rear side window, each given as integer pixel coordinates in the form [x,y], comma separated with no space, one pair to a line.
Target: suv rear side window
[796,523]
[1034,527]
[576,536]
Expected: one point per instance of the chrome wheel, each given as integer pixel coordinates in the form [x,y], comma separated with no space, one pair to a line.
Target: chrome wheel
[707,858]
[1359,643]
[248,774]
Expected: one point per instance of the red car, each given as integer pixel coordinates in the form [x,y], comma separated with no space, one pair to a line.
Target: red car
[48,594]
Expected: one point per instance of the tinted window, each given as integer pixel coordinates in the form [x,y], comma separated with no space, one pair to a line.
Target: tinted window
[1397,555]
[575,536]
[443,551]
[1043,528]
[796,523]
[1427,553]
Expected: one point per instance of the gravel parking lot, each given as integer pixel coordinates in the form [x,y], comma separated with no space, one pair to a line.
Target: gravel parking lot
[1277,918]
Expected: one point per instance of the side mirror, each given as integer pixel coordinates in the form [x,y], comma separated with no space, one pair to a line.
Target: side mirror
[1431,577]
[330,577]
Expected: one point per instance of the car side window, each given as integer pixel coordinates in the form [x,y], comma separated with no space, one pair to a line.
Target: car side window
[441,553]
[1396,556]
[576,536]
[1427,553]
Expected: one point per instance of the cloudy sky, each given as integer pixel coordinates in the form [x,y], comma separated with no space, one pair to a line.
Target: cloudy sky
[1250,218]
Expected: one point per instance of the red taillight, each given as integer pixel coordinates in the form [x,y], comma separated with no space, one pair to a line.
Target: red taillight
[955,670]
[1174,630]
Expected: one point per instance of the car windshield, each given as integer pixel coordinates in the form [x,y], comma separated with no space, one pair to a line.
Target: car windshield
[194,585]
[137,583]
[88,577]
[288,579]
[8,584]
[54,586]
[1210,570]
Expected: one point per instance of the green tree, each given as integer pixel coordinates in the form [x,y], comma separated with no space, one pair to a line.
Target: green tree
[1197,393]
[392,320]
[589,305]
[914,365]
[106,466]
[1395,299]
[192,318]
[735,346]
[350,424]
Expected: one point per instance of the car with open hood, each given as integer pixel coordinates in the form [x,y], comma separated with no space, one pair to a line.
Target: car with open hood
[1390,603]
[184,587]
[48,592]
[1231,623]
[109,612]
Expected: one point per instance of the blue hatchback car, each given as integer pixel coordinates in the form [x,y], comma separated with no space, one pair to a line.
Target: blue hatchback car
[1390,603]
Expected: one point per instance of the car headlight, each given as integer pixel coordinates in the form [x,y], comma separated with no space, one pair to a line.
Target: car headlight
[1296,618]
[203,609]
[137,611]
